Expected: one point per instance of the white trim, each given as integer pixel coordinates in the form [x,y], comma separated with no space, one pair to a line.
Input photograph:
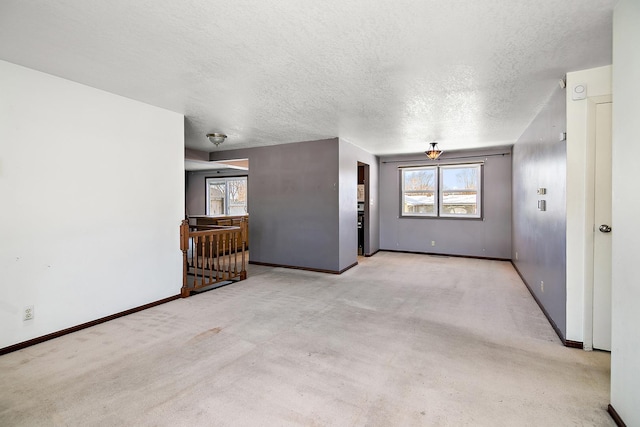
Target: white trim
[587,319]
[478,213]
[225,181]
[435,192]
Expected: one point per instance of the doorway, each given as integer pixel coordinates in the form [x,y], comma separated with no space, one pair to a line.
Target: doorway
[363,209]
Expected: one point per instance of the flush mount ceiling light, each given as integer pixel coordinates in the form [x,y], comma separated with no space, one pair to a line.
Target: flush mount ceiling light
[433,152]
[217,138]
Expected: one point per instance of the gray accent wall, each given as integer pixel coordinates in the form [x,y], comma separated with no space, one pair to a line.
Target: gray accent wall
[302,201]
[488,237]
[293,203]
[539,237]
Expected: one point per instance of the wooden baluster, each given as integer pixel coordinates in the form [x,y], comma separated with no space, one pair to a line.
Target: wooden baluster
[243,273]
[203,256]
[210,260]
[238,238]
[184,247]
[194,257]
[203,246]
[235,253]
[194,252]
[245,241]
[229,252]
[189,251]
[229,249]
[224,248]
[231,234]
[217,257]
[223,236]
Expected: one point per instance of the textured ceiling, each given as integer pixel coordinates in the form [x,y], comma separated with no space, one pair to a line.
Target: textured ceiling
[386,75]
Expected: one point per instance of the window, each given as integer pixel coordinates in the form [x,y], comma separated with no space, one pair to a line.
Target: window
[442,191]
[226,196]
[460,191]
[419,191]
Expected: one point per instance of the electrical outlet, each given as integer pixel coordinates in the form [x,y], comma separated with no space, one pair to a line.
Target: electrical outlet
[541,286]
[516,255]
[433,243]
[28,313]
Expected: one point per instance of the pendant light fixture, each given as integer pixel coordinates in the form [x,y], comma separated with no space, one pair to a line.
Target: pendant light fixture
[216,138]
[433,152]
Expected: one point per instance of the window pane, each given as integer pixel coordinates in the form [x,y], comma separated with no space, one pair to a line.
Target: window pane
[216,198]
[460,191]
[237,190]
[227,196]
[418,191]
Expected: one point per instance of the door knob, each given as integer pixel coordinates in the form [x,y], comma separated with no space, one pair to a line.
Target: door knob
[605,228]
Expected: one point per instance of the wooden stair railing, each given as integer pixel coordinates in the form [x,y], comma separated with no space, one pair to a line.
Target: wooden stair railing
[212,254]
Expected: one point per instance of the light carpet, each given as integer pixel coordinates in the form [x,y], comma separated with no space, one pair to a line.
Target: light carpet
[399,340]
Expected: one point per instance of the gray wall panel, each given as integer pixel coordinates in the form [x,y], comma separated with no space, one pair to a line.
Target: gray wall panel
[293,203]
[539,237]
[490,237]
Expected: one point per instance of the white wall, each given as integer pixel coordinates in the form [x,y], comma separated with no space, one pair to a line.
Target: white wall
[598,82]
[92,194]
[625,353]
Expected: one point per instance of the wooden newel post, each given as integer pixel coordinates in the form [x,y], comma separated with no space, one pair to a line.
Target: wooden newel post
[184,247]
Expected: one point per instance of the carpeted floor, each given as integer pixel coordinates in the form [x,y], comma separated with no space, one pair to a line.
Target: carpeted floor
[399,340]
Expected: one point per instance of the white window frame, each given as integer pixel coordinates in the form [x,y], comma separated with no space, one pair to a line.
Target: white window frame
[224,180]
[435,192]
[439,192]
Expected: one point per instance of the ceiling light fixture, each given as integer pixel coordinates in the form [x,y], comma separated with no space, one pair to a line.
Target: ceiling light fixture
[216,138]
[433,152]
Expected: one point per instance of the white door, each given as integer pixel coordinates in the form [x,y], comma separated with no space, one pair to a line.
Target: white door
[602,230]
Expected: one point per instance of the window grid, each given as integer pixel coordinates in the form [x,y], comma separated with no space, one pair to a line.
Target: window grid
[442,191]
[226,196]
